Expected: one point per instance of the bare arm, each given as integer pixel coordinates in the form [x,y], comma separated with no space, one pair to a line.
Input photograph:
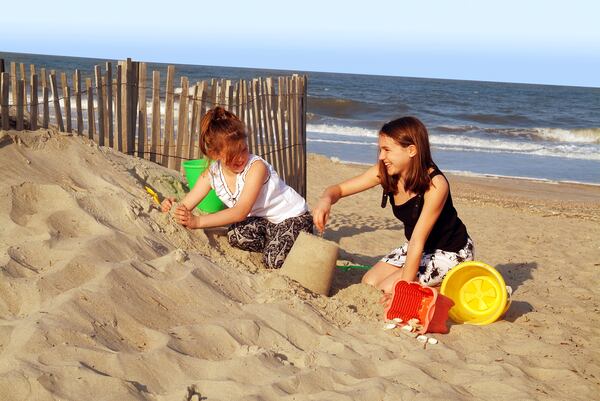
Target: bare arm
[434,200]
[255,178]
[192,198]
[332,194]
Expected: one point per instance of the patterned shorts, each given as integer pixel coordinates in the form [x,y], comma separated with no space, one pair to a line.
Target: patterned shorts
[257,234]
[434,266]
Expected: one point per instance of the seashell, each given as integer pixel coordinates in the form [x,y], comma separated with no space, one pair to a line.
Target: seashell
[389,326]
[397,320]
[407,328]
[422,339]
[432,341]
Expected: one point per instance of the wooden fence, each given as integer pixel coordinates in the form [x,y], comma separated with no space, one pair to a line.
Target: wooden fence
[128,110]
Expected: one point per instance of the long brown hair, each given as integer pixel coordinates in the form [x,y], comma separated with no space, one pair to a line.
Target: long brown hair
[222,131]
[407,131]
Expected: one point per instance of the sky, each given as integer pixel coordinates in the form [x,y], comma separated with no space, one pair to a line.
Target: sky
[528,41]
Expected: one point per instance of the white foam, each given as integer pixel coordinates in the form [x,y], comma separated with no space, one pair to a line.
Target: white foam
[578,135]
[341,130]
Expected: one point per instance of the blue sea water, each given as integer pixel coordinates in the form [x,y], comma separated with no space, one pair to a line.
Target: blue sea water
[518,130]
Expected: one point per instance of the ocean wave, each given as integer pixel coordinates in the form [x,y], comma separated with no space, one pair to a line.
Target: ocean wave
[348,108]
[468,144]
[581,135]
[342,130]
[504,119]
[573,135]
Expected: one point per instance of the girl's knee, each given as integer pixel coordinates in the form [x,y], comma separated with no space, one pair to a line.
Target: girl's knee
[370,278]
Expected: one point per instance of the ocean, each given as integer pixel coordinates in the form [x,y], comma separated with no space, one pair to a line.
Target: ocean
[479,128]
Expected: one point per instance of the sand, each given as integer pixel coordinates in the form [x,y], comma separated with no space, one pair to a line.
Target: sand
[104,297]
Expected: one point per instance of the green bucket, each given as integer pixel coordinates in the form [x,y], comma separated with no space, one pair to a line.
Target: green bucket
[193,168]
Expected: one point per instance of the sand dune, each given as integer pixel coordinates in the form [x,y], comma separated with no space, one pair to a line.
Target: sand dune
[104,297]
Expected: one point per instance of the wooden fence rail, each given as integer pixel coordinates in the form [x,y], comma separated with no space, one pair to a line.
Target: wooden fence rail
[114,110]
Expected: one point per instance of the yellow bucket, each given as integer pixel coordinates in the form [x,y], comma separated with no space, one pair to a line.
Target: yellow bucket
[479,293]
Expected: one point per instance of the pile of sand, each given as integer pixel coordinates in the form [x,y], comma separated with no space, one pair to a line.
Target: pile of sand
[102,296]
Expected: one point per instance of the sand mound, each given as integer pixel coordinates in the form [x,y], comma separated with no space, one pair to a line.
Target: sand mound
[102,296]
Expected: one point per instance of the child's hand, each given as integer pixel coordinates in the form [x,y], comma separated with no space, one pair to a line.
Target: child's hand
[386,299]
[184,216]
[166,204]
[321,214]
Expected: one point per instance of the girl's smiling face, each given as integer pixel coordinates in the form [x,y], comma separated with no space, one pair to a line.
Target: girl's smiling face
[238,162]
[394,156]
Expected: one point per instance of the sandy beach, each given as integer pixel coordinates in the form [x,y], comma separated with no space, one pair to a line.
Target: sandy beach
[103,297]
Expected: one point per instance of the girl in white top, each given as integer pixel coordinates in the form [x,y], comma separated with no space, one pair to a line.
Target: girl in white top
[264,214]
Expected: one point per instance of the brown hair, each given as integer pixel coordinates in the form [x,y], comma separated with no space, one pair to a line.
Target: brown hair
[408,131]
[222,131]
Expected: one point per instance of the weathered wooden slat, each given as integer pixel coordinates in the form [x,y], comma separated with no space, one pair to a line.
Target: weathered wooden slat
[13,82]
[281,116]
[33,109]
[270,123]
[109,104]
[127,103]
[98,80]
[22,74]
[170,99]
[56,101]
[20,103]
[236,99]
[264,121]
[203,108]
[230,94]
[142,145]
[78,108]
[292,128]
[194,123]
[43,78]
[119,107]
[155,142]
[302,114]
[1,65]
[223,93]
[133,81]
[66,91]
[4,93]
[90,108]
[214,93]
[104,107]
[182,124]
[46,107]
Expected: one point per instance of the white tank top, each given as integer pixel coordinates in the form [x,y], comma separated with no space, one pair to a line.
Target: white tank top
[276,200]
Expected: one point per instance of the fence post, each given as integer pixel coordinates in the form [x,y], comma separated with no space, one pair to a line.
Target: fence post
[194,123]
[155,115]
[109,104]
[56,102]
[98,77]
[302,112]
[90,108]
[13,81]
[20,103]
[119,106]
[4,81]
[77,85]
[33,112]
[182,122]
[67,102]
[142,118]
[167,161]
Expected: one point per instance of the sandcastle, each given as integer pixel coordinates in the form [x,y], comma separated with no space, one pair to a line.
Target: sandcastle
[311,262]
